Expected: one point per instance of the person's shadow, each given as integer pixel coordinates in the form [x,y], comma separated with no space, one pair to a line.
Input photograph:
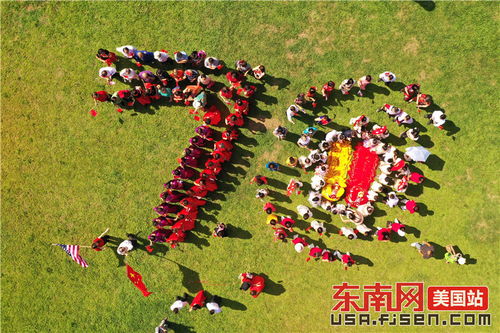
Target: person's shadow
[190,279]
[468,259]
[232,304]
[427,5]
[237,232]
[271,287]
[439,250]
[360,260]
[180,328]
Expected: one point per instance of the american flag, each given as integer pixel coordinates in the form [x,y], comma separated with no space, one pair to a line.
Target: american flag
[72,251]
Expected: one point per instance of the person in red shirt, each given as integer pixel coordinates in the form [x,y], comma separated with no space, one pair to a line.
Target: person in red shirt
[177,75]
[224,145]
[383,234]
[198,301]
[231,134]
[163,221]
[314,252]
[411,92]
[346,259]
[259,180]
[311,96]
[241,106]
[184,225]
[246,281]
[175,238]
[257,285]
[247,91]
[213,165]
[288,223]
[327,89]
[212,116]
[327,256]
[226,94]
[416,177]
[269,208]
[221,155]
[99,243]
[140,96]
[397,227]
[101,96]
[159,236]
[192,202]
[235,119]
[280,233]
[107,57]
[409,205]
[189,212]
[235,78]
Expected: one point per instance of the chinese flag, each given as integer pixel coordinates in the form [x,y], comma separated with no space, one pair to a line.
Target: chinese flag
[136,279]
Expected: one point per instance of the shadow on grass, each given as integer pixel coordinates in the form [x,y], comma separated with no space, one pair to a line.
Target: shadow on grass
[468,259]
[439,250]
[180,328]
[434,162]
[289,171]
[424,210]
[237,232]
[273,81]
[276,183]
[360,260]
[190,279]
[233,305]
[272,288]
[427,5]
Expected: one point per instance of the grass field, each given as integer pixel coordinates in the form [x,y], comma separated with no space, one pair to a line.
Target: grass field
[67,176]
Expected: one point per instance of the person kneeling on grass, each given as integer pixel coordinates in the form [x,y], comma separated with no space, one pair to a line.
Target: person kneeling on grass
[257,285]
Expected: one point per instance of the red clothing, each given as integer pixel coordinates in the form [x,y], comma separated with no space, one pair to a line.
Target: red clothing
[223,145]
[258,283]
[111,59]
[410,205]
[199,299]
[269,205]
[327,89]
[247,92]
[280,231]
[243,108]
[230,135]
[192,202]
[216,167]
[100,243]
[416,177]
[245,278]
[228,94]
[189,214]
[184,225]
[315,252]
[238,121]
[101,96]
[347,259]
[396,226]
[224,155]
[326,256]
[143,100]
[213,115]
[382,232]
[299,240]
[234,80]
[286,220]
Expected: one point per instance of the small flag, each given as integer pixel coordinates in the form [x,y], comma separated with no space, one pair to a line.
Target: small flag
[119,110]
[93,113]
[136,279]
[72,251]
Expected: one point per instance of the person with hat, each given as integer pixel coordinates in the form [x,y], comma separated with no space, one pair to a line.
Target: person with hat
[299,243]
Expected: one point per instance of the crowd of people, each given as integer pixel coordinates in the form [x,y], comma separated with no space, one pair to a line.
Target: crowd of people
[393,178]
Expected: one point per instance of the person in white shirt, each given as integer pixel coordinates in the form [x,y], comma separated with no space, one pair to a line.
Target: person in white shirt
[128,51]
[179,303]
[376,186]
[366,209]
[392,199]
[317,182]
[128,74]
[380,132]
[127,245]
[161,56]
[304,211]
[391,110]
[385,168]
[403,118]
[332,136]
[304,141]
[327,205]
[314,198]
[385,180]
[372,196]
[315,156]
[348,232]
[211,63]
[437,118]
[387,77]
[107,73]
[317,226]
[380,148]
[292,111]
[339,209]
[363,229]
[213,305]
[259,72]
[346,86]
[305,162]
[321,170]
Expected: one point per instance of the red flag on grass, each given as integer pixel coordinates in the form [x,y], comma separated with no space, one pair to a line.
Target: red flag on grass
[136,279]
[93,113]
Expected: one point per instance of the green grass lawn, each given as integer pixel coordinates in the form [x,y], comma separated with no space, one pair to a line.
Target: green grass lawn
[67,176]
